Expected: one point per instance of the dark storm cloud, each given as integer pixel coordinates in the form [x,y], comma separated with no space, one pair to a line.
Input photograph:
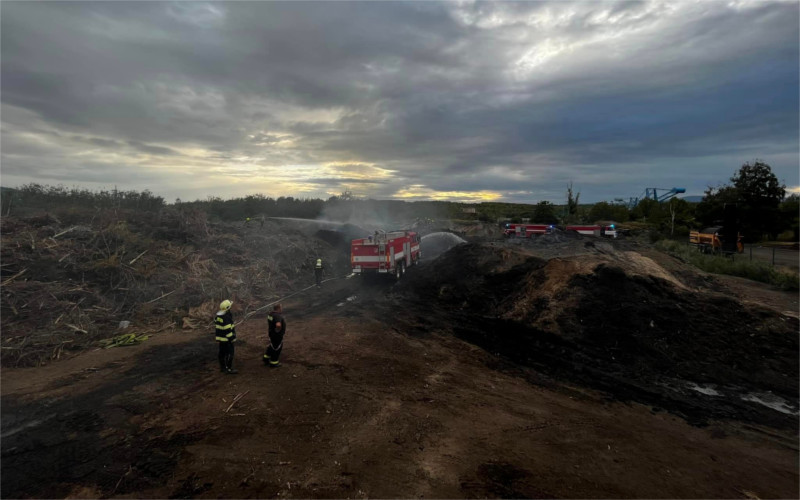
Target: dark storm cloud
[513,97]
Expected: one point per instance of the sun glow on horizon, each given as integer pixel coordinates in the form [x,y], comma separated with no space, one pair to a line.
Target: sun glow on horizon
[421,192]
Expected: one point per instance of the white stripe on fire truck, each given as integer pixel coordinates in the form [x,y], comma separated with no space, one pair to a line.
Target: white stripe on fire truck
[377,258]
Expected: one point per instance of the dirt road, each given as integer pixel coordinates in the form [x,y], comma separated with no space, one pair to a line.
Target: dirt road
[376,398]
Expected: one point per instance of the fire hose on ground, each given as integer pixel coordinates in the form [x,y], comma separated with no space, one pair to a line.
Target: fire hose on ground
[246,316]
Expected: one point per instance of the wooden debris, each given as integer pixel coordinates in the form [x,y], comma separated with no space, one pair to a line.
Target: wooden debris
[137,257]
[237,398]
[65,232]
[9,280]
[159,298]
[75,327]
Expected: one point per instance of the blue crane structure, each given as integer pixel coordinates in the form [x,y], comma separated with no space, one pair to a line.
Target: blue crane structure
[666,194]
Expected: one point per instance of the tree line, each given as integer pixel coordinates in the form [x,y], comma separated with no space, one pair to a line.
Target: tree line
[762,209]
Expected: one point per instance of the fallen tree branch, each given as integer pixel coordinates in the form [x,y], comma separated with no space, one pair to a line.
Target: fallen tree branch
[237,398]
[65,232]
[170,293]
[130,468]
[75,327]
[9,280]
[137,257]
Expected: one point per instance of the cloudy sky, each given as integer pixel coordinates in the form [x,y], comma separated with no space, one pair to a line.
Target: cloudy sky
[467,101]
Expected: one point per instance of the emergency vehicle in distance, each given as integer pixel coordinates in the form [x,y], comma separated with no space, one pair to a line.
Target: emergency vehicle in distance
[594,230]
[526,230]
[385,253]
[512,230]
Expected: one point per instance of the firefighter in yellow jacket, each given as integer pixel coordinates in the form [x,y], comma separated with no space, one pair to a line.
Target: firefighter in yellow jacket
[225,332]
[318,270]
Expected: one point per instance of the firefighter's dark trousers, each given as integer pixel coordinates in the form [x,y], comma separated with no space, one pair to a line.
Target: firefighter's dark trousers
[318,276]
[274,349]
[225,355]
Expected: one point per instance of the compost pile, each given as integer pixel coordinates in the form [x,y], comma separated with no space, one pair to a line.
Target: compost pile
[80,279]
[604,317]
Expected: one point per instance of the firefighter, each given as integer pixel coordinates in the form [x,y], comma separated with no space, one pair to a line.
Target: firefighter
[318,268]
[277,329]
[247,222]
[225,335]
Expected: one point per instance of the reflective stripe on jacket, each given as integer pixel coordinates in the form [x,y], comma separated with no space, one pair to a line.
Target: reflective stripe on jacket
[225,329]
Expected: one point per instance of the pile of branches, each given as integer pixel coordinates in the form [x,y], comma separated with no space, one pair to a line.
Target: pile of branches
[68,286]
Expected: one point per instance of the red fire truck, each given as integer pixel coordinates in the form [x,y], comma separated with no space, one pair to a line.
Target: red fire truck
[385,253]
[526,230]
[594,230]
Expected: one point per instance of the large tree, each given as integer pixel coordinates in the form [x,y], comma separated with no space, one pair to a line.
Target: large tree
[760,194]
[648,210]
[572,205]
[711,210]
[545,212]
[680,217]
[757,194]
[604,211]
[790,215]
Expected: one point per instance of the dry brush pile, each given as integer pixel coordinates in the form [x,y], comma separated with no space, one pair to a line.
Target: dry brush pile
[68,279]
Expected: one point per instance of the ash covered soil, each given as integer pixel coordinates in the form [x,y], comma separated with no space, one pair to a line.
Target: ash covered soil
[563,367]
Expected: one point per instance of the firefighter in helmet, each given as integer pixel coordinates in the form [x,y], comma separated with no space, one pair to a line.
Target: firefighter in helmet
[225,332]
[276,324]
[318,268]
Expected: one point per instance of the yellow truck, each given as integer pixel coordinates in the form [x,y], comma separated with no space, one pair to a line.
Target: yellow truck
[711,240]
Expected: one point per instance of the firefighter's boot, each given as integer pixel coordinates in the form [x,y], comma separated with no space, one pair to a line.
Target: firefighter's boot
[229,365]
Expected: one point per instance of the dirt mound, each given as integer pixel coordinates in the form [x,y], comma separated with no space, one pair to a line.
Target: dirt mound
[615,320]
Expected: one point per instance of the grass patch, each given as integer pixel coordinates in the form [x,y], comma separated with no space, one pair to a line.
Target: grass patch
[737,266]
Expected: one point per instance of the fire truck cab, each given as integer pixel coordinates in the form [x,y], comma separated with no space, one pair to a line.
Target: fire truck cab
[385,253]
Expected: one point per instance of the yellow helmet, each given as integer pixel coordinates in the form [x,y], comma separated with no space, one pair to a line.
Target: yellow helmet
[319,262]
[225,305]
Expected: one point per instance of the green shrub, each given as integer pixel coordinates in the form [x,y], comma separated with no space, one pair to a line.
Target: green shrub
[655,236]
[720,264]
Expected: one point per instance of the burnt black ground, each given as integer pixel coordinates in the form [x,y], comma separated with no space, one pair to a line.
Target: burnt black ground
[637,338]
[50,445]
